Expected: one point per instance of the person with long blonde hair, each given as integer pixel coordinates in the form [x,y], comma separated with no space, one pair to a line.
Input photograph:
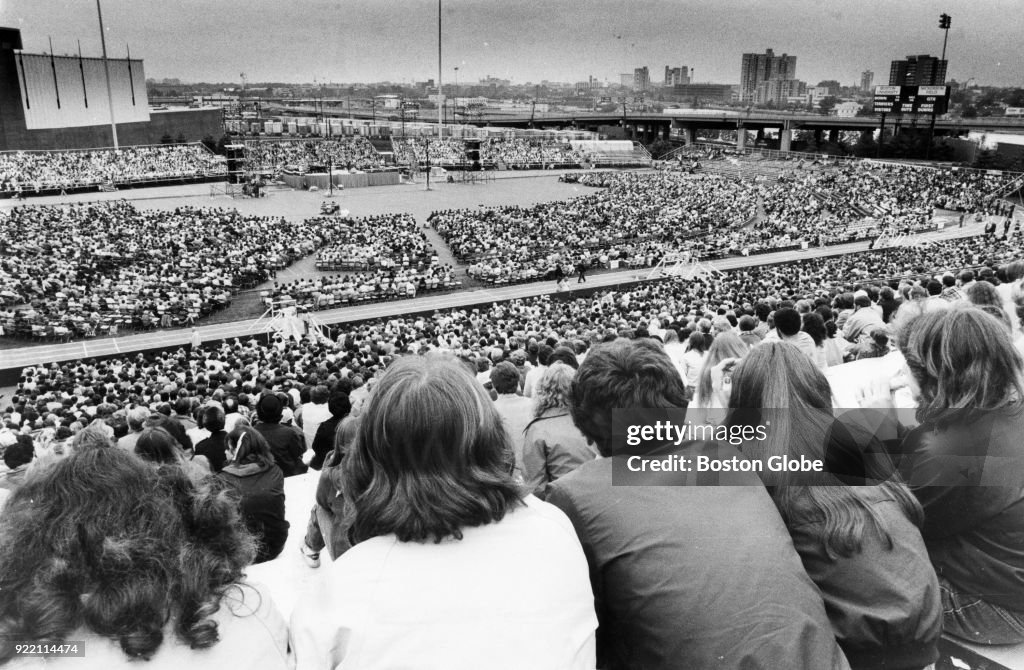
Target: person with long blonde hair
[554,445]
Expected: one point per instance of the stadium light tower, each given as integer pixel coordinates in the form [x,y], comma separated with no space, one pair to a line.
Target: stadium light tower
[945,20]
[440,91]
[106,68]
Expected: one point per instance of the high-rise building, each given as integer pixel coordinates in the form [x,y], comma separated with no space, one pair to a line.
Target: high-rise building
[756,68]
[923,70]
[675,76]
[641,79]
[866,79]
[779,90]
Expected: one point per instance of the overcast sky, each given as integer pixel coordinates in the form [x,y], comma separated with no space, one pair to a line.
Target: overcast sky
[526,40]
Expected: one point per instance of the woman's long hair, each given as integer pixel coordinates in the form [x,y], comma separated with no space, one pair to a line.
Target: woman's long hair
[249,446]
[156,445]
[726,345]
[964,362]
[104,540]
[554,389]
[431,455]
[777,384]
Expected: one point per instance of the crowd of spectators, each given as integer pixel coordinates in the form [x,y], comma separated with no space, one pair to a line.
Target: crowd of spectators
[421,151]
[708,216]
[391,282]
[72,270]
[26,172]
[385,240]
[523,154]
[660,210]
[496,332]
[341,153]
[871,557]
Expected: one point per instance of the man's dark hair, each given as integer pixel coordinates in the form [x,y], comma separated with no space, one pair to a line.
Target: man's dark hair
[319,394]
[19,453]
[622,374]
[213,419]
[505,377]
[787,321]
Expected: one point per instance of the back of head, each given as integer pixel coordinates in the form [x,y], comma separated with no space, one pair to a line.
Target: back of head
[183,406]
[431,455]
[339,404]
[249,447]
[554,388]
[156,445]
[104,540]
[137,417]
[19,453]
[1014,271]
[91,437]
[787,321]
[564,355]
[269,409]
[505,377]
[624,374]
[214,419]
[964,363]
[983,293]
[319,394]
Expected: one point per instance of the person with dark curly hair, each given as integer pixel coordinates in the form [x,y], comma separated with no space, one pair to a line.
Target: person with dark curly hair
[137,563]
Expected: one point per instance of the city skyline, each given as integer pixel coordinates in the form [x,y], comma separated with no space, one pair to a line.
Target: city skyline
[356,41]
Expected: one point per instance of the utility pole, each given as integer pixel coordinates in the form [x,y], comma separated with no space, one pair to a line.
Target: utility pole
[106,68]
[440,91]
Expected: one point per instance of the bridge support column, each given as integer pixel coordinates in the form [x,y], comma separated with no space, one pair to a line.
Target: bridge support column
[818,136]
[741,138]
[785,139]
[760,136]
[689,135]
[833,135]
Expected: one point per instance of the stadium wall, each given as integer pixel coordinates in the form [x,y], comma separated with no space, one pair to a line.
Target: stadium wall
[193,124]
[31,125]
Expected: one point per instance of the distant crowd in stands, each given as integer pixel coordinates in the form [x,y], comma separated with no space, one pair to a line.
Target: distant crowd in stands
[709,216]
[377,283]
[520,153]
[387,240]
[421,151]
[941,271]
[27,172]
[75,269]
[663,209]
[340,153]
[890,544]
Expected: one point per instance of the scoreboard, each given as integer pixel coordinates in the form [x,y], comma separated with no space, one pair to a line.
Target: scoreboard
[911,99]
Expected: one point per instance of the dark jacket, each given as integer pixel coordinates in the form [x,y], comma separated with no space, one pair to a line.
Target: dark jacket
[287,444]
[215,449]
[689,576]
[883,601]
[323,442]
[968,479]
[260,490]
